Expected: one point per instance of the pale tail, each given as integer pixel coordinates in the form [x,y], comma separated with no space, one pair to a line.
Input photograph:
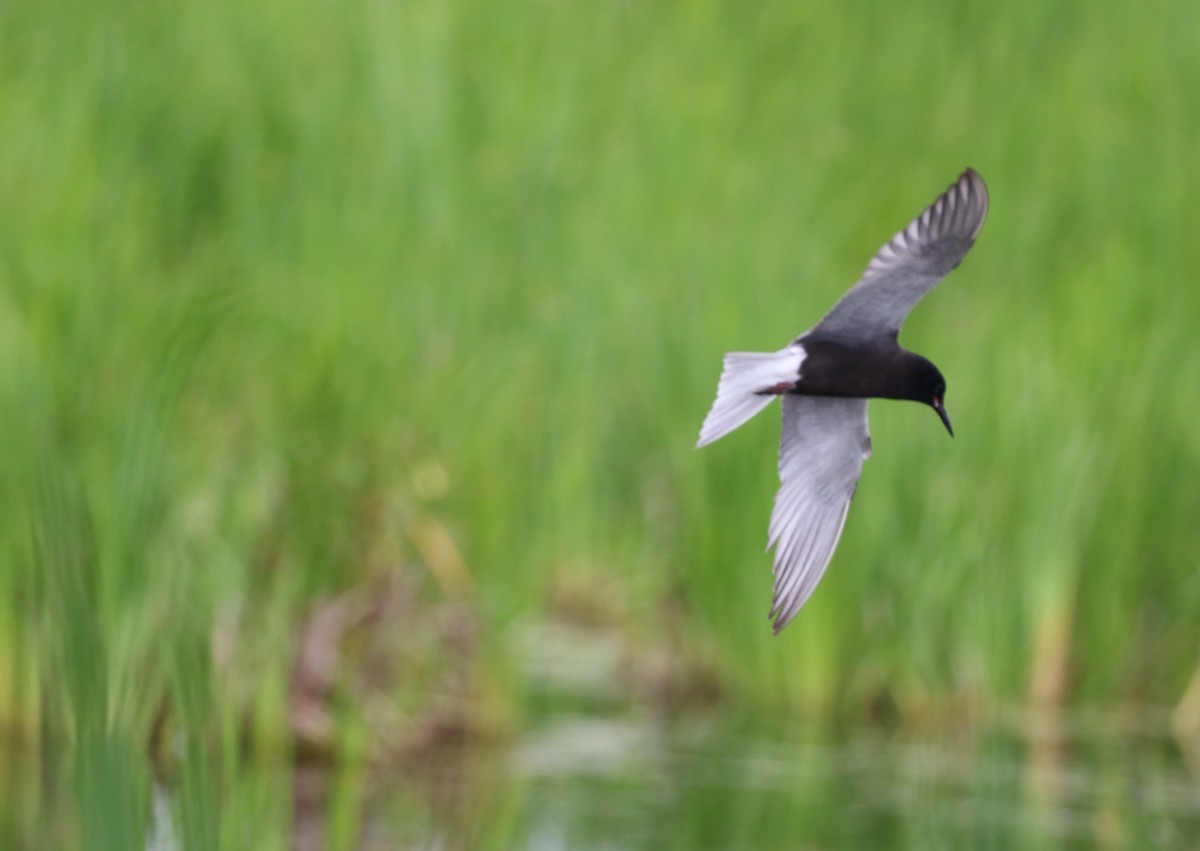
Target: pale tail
[740,391]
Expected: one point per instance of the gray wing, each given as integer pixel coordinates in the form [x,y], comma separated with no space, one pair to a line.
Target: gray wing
[912,263]
[821,454]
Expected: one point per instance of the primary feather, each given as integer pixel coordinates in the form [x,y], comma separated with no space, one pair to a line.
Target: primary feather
[911,263]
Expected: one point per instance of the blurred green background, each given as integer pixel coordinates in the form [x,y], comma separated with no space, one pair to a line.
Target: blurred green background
[352,356]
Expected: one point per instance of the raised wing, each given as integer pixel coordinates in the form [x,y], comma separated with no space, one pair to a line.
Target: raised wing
[911,264]
[821,454]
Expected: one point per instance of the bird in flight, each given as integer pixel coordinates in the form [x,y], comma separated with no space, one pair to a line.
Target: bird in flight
[825,377]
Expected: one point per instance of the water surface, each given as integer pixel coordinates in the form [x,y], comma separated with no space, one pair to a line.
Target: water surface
[580,782]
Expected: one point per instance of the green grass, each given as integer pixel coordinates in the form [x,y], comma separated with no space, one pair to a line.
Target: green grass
[295,296]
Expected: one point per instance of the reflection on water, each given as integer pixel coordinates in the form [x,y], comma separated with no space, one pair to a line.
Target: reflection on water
[161,834]
[583,783]
[638,781]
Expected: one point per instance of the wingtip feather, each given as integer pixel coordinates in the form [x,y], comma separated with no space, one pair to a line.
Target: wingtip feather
[975,195]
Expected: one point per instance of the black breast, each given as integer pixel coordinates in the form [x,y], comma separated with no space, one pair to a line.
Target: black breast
[856,370]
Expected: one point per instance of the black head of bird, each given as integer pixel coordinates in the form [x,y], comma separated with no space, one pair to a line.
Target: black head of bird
[923,382]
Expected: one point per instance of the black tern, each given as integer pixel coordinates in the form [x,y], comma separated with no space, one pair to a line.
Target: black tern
[827,374]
